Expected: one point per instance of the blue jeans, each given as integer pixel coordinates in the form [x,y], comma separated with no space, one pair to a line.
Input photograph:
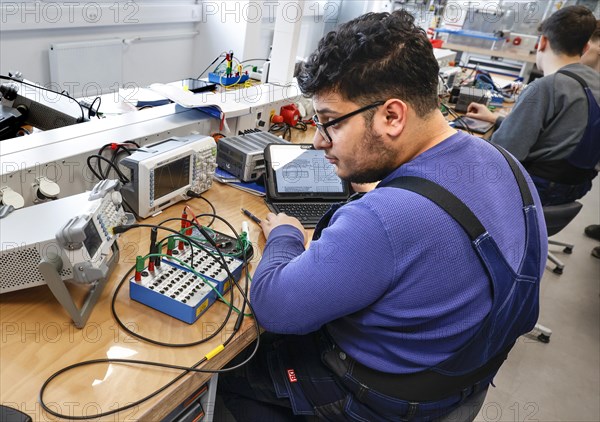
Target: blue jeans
[552,193]
[264,390]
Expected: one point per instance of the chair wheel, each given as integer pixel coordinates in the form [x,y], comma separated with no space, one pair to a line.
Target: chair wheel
[544,338]
[568,250]
[557,270]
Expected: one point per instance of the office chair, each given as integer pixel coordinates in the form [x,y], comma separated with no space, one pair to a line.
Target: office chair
[557,218]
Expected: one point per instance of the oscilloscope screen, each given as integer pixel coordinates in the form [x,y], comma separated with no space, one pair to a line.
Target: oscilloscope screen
[171,176]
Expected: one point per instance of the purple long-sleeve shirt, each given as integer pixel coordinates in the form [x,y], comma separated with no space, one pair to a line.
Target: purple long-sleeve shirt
[394,278]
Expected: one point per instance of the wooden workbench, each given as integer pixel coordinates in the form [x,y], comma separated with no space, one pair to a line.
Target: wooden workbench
[39,338]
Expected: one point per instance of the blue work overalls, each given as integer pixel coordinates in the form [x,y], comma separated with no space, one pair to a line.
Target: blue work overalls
[587,153]
[566,180]
[320,379]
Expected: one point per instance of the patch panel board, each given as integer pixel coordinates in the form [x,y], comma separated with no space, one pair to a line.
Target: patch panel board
[171,289]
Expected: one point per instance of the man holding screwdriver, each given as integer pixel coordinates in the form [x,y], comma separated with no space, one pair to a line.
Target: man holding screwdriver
[411,295]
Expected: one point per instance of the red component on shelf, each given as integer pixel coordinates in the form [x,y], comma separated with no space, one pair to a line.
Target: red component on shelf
[437,43]
[290,114]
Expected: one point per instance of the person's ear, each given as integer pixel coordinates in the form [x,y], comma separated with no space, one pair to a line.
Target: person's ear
[543,43]
[394,117]
[586,48]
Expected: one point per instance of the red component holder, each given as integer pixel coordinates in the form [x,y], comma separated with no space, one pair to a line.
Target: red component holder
[437,43]
[290,114]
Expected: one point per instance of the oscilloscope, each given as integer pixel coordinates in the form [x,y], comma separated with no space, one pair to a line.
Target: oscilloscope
[163,173]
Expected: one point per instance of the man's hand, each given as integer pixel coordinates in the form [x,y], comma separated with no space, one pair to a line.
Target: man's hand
[274,220]
[481,112]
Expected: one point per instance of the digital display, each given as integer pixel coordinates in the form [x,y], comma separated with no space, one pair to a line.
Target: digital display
[171,176]
[304,171]
[92,238]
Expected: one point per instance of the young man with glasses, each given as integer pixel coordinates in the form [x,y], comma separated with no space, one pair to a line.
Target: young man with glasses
[410,296]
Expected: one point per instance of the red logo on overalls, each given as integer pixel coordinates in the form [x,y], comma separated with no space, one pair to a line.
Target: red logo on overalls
[292,375]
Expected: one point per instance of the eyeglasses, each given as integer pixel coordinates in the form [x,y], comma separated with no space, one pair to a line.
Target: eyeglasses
[322,127]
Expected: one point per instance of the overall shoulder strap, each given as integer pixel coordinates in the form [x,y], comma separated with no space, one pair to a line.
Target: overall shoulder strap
[575,76]
[587,152]
[444,199]
[526,196]
[454,206]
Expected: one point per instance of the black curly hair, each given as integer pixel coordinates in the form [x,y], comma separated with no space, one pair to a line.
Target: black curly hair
[569,29]
[375,57]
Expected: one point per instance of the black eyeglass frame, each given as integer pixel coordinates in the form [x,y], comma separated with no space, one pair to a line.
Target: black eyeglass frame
[322,127]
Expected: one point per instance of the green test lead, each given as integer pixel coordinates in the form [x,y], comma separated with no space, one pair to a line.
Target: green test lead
[170,245]
[139,267]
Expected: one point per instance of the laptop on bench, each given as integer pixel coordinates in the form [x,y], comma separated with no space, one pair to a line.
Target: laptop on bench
[300,182]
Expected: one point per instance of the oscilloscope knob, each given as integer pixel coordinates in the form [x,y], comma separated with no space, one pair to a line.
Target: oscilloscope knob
[116,198]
